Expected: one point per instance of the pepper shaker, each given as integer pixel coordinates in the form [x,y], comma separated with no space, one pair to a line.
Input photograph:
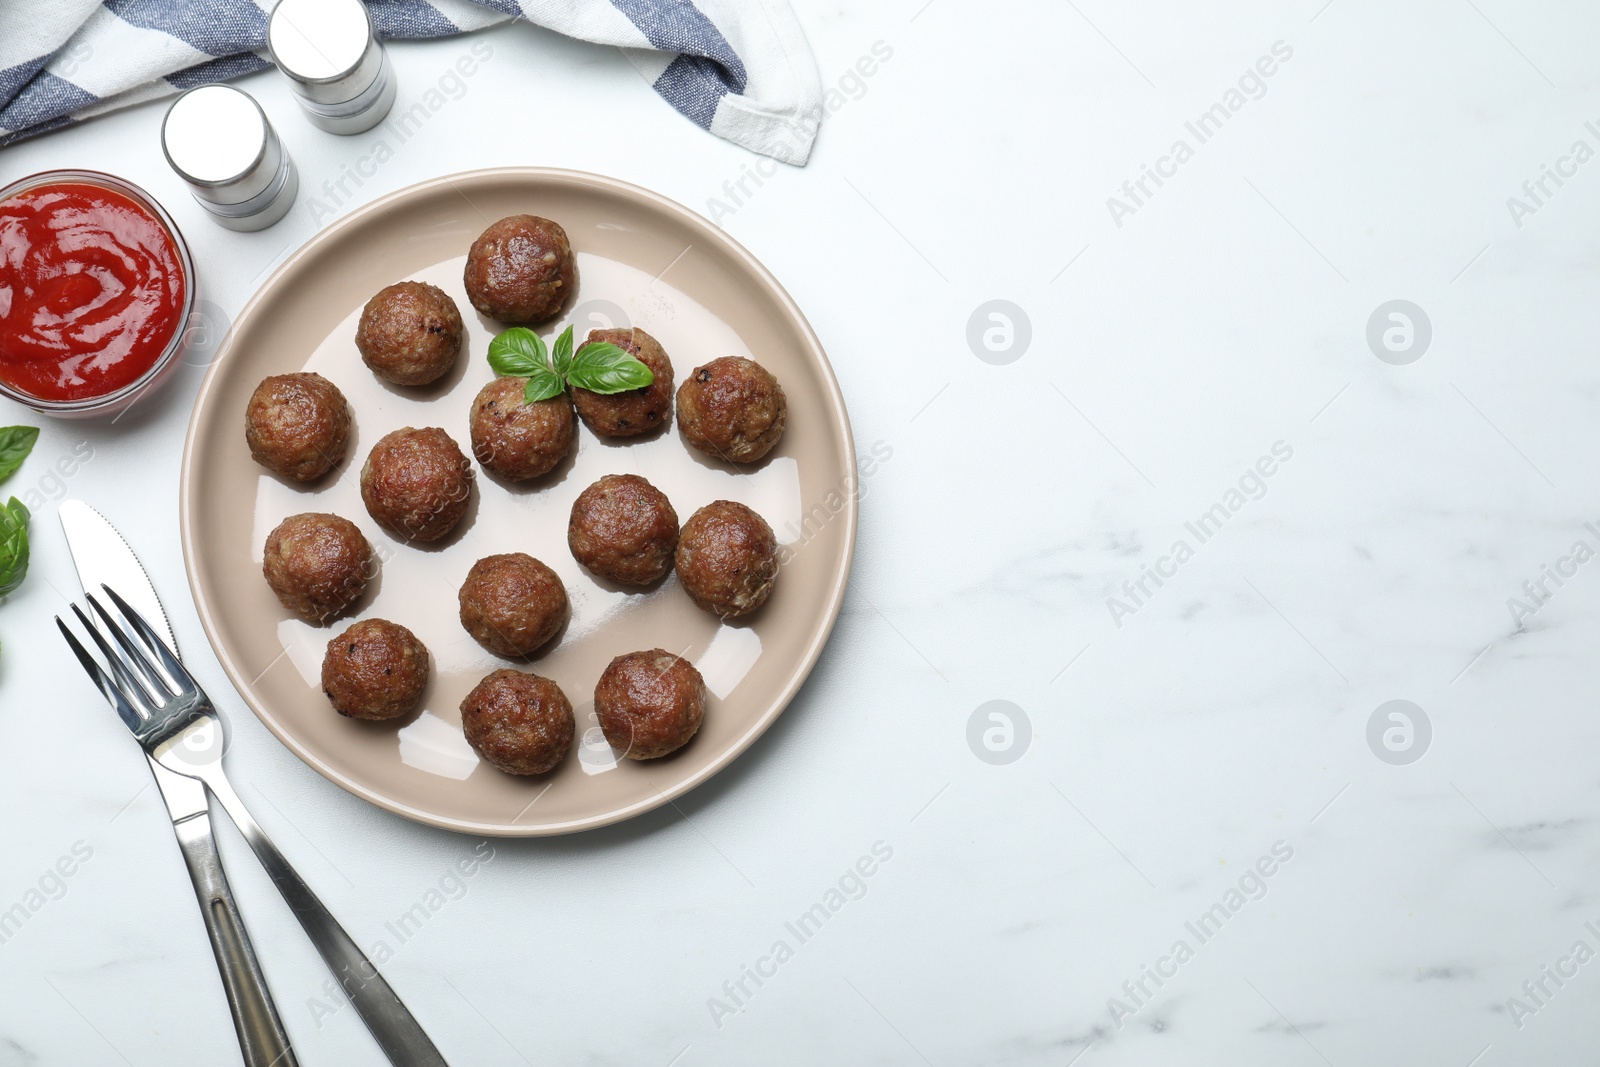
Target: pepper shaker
[339,70]
[219,141]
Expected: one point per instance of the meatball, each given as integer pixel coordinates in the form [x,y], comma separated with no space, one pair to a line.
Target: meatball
[511,604]
[516,439]
[521,269]
[637,410]
[318,564]
[416,483]
[733,409]
[649,703]
[623,528]
[727,559]
[520,723]
[297,425]
[375,670]
[410,333]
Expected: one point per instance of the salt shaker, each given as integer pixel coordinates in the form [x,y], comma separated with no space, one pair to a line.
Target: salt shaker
[336,65]
[219,141]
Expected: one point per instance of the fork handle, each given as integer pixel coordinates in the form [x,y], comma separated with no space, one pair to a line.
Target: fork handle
[262,1039]
[394,1028]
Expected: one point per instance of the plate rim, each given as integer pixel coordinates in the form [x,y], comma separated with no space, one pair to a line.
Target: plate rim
[714,235]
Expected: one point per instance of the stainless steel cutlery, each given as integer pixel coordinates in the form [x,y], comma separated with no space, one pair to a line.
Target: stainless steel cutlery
[140,675]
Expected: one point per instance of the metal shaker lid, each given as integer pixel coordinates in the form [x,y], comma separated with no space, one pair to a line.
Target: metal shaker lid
[215,136]
[325,46]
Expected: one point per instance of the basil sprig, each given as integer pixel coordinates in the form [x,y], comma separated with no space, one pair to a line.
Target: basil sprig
[599,367]
[519,352]
[13,545]
[605,368]
[15,444]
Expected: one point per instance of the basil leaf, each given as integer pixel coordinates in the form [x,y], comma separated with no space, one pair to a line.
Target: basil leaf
[542,386]
[13,545]
[15,444]
[563,352]
[518,352]
[605,368]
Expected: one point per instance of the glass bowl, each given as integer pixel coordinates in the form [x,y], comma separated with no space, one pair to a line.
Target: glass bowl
[151,380]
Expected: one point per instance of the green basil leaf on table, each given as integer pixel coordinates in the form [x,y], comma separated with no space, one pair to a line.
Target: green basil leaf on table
[15,444]
[518,352]
[605,368]
[13,545]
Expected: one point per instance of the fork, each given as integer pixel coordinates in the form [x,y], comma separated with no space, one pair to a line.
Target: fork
[176,724]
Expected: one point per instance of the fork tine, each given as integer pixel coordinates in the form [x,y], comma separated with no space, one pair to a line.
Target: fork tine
[129,686]
[113,695]
[179,675]
[158,683]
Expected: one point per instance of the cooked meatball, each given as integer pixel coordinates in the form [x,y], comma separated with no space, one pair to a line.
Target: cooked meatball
[410,333]
[649,703]
[733,409]
[416,483]
[623,528]
[521,269]
[375,670]
[297,425]
[637,410]
[727,559]
[511,604]
[318,564]
[516,439]
[520,723]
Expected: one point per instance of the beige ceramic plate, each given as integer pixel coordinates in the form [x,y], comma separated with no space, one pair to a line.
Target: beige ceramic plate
[642,260]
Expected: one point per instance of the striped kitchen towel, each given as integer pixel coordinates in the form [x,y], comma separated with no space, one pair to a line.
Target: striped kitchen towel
[739,68]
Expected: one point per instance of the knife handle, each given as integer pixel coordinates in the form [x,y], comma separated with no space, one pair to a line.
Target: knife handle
[393,1026]
[262,1039]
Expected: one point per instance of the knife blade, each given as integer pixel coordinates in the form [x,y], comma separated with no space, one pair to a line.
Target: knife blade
[101,556]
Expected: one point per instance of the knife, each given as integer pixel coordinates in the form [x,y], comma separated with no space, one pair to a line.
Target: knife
[101,556]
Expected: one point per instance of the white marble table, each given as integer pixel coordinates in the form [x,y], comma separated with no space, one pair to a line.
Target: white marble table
[1190,853]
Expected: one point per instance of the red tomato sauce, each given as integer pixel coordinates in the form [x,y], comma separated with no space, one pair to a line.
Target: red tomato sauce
[91,291]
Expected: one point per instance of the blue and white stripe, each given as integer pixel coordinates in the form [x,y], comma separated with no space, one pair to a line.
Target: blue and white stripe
[739,68]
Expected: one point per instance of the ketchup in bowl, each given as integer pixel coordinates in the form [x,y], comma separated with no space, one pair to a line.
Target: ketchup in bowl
[94,289]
